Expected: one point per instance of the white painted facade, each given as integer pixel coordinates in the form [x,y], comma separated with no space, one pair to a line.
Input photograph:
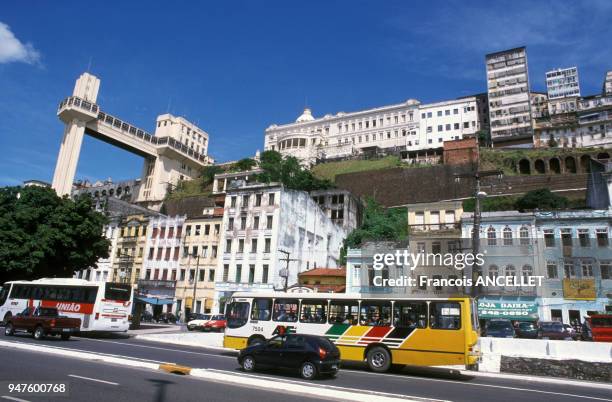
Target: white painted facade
[410,126]
[163,248]
[509,100]
[562,83]
[261,219]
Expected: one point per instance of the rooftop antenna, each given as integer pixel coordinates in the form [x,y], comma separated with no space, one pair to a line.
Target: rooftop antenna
[89,65]
[169,104]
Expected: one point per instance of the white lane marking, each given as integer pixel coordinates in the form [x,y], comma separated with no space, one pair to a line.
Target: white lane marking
[93,352]
[319,385]
[12,398]
[480,385]
[166,349]
[93,379]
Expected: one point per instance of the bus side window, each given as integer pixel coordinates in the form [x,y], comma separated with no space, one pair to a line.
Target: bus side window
[445,315]
[261,310]
[375,313]
[285,310]
[410,314]
[343,312]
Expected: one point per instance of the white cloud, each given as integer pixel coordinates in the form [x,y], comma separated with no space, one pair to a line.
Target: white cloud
[13,50]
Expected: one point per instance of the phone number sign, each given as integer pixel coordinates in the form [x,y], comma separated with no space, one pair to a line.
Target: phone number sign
[510,310]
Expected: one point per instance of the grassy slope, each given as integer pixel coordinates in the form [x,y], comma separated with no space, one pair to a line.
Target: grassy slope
[329,170]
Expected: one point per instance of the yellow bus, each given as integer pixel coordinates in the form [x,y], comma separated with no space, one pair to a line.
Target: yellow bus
[383,331]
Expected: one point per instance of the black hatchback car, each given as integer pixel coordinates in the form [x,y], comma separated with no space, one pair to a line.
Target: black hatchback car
[310,354]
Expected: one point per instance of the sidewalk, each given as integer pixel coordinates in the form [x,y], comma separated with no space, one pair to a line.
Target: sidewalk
[212,340]
[156,329]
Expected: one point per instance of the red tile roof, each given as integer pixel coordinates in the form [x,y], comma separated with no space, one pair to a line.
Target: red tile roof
[324,272]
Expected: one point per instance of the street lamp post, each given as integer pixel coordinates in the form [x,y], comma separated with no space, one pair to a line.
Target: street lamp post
[478,195]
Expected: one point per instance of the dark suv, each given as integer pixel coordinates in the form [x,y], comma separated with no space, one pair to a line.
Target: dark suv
[499,328]
[553,330]
[311,354]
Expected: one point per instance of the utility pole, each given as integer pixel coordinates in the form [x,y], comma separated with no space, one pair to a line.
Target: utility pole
[478,195]
[287,260]
[195,282]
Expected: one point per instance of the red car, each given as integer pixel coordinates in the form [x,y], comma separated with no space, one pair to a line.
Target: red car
[216,323]
[42,321]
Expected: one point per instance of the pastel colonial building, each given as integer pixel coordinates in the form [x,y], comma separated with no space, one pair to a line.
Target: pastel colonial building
[264,223]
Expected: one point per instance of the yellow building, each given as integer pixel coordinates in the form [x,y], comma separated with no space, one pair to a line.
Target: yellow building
[129,250]
[198,260]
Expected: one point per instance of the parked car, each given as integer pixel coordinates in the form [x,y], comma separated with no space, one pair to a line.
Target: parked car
[526,330]
[601,327]
[552,330]
[216,323]
[42,321]
[198,322]
[310,354]
[499,328]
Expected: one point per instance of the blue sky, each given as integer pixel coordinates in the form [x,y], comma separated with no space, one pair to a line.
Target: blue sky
[234,68]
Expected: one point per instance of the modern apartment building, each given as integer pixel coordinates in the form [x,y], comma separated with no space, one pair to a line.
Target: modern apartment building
[412,130]
[509,100]
[264,224]
[562,83]
[607,85]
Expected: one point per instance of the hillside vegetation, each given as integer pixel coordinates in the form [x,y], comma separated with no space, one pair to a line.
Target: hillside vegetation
[329,170]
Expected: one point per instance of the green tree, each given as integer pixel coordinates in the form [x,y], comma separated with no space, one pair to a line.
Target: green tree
[379,224]
[289,172]
[208,174]
[542,199]
[43,235]
[244,164]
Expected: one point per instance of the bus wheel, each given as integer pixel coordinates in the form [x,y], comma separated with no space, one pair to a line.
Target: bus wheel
[379,359]
[256,340]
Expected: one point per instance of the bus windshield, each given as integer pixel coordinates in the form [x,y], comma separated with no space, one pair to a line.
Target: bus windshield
[237,314]
[118,291]
[4,292]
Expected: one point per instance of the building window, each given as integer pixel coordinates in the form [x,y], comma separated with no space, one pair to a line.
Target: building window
[213,252]
[228,246]
[510,270]
[225,272]
[238,273]
[206,230]
[241,245]
[583,237]
[566,237]
[243,223]
[245,201]
[421,247]
[257,200]
[264,275]
[256,222]
[524,236]
[493,272]
[269,221]
[182,277]
[201,275]
[569,269]
[527,271]
[606,269]
[602,237]
[549,238]
[233,202]
[251,273]
[253,245]
[436,247]
[230,224]
[217,229]
[551,270]
[587,269]
[271,199]
[491,236]
[507,236]
[267,245]
[211,275]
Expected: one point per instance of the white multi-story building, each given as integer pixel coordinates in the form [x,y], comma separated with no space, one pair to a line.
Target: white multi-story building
[262,225]
[509,100]
[403,129]
[163,248]
[562,83]
[607,86]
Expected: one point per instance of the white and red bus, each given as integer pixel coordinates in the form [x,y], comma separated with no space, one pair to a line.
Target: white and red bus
[101,306]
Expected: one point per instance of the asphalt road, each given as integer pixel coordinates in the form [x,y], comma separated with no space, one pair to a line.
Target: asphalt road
[95,381]
[416,382]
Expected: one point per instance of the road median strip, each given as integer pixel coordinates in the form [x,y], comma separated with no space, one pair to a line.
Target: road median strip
[293,387]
